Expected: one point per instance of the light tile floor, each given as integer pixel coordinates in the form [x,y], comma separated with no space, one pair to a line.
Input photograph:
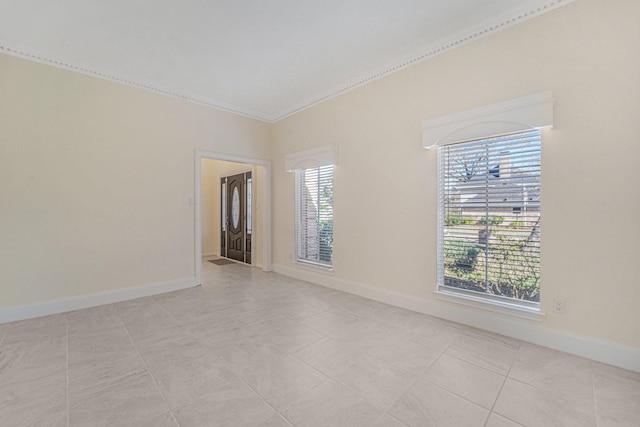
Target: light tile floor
[255,349]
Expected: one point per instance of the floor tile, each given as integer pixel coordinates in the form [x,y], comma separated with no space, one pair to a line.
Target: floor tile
[465,379]
[560,373]
[426,404]
[187,311]
[120,392]
[264,321]
[484,350]
[328,355]
[331,321]
[115,400]
[35,402]
[191,380]
[32,358]
[110,345]
[617,396]
[291,337]
[236,405]
[388,421]
[165,420]
[376,381]
[260,349]
[368,335]
[407,355]
[276,420]
[438,338]
[142,321]
[281,380]
[246,358]
[175,347]
[40,327]
[92,320]
[530,406]
[361,307]
[303,311]
[331,404]
[193,294]
[496,420]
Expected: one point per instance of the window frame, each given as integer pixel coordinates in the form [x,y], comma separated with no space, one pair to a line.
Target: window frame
[535,111]
[299,258]
[497,303]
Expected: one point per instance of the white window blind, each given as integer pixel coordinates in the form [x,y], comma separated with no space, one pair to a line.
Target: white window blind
[314,215]
[489,218]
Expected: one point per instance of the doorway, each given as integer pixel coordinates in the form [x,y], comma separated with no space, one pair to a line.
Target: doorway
[208,209]
[236,225]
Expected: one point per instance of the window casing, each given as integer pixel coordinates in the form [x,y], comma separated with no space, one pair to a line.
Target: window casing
[489,219]
[314,216]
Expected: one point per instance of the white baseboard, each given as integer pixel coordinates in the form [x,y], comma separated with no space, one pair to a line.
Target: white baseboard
[209,254]
[608,352]
[78,302]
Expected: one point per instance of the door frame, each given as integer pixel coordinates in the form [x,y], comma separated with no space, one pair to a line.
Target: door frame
[264,177]
[251,169]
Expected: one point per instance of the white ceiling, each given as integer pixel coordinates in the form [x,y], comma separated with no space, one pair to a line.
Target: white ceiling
[263,59]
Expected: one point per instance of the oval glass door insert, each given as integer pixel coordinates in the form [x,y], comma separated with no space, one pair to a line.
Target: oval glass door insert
[235,208]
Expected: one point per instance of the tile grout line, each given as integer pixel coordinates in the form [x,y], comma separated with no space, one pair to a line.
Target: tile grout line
[593,389]
[5,330]
[330,378]
[239,377]
[223,361]
[472,362]
[260,299]
[416,379]
[411,384]
[458,395]
[419,377]
[155,382]
[500,391]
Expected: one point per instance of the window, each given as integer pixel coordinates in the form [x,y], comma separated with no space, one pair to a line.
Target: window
[314,215]
[489,218]
[223,216]
[249,225]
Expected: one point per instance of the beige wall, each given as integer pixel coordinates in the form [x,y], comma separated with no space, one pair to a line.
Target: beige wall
[95,181]
[385,183]
[210,208]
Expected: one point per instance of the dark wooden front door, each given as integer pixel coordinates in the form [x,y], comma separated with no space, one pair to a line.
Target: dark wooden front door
[235,241]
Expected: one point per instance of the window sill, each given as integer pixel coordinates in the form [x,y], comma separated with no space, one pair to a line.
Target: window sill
[500,307]
[318,268]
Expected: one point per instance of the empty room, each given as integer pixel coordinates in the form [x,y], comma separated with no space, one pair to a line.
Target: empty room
[320,213]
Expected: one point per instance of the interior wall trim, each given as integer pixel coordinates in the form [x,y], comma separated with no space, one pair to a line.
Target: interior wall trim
[265,178]
[78,302]
[482,30]
[515,115]
[608,352]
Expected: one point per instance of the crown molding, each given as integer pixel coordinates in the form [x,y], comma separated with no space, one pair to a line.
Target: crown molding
[485,29]
[70,66]
[443,46]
